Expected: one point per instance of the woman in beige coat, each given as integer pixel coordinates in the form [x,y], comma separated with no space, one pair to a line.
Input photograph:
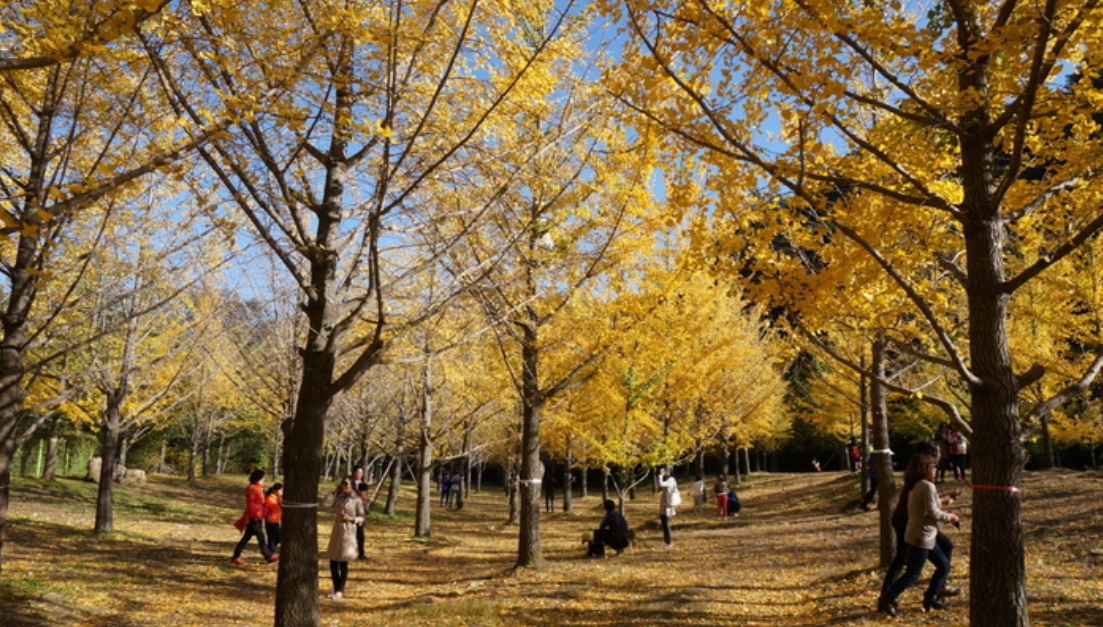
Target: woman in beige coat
[349,508]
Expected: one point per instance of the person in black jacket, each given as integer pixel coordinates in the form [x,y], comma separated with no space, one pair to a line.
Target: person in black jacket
[612,532]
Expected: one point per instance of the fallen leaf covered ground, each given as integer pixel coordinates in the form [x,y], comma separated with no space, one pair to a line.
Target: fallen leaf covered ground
[799,555]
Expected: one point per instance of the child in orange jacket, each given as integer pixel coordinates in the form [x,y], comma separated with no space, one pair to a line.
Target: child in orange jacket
[273,515]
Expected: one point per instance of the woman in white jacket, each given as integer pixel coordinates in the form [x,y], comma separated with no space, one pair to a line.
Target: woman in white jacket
[667,502]
[342,540]
[924,514]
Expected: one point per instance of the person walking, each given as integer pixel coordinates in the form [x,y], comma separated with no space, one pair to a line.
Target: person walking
[445,489]
[667,502]
[924,514]
[349,508]
[697,489]
[959,449]
[853,455]
[871,475]
[899,521]
[273,516]
[251,523]
[360,489]
[547,485]
[721,490]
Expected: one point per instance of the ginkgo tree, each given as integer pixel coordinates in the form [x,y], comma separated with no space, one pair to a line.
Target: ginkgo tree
[692,366]
[345,117]
[905,135]
[74,138]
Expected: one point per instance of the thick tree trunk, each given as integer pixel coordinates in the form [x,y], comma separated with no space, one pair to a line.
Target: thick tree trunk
[105,517]
[997,564]
[882,458]
[529,550]
[297,582]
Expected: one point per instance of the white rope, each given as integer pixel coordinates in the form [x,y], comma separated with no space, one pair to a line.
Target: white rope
[885,451]
[294,505]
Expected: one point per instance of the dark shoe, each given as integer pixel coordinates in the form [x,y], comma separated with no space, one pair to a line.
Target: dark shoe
[933,603]
[887,607]
[949,591]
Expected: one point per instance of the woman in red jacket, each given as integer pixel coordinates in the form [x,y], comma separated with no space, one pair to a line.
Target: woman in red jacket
[251,522]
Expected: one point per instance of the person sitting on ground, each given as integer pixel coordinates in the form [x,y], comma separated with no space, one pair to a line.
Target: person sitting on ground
[733,503]
[612,532]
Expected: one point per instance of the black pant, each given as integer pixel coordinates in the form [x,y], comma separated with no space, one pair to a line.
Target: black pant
[360,542]
[665,520]
[607,538]
[339,572]
[900,560]
[255,528]
[273,530]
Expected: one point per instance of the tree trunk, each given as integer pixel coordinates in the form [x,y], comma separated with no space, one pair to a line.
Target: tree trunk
[529,551]
[396,480]
[423,521]
[512,489]
[297,581]
[738,475]
[865,396]
[105,521]
[605,476]
[124,448]
[998,570]
[584,475]
[207,435]
[51,450]
[193,457]
[567,474]
[1049,460]
[886,480]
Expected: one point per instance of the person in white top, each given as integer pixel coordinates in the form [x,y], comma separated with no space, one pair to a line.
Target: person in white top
[666,505]
[924,514]
[697,489]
